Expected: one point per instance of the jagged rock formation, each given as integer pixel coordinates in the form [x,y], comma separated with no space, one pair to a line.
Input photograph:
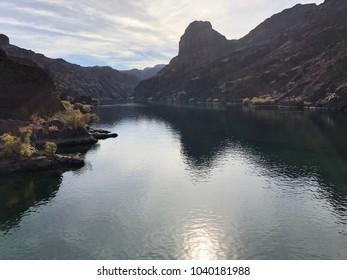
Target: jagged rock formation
[146,73]
[4,40]
[201,44]
[23,89]
[74,80]
[297,57]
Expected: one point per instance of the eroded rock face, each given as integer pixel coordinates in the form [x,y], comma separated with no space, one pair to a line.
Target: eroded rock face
[297,58]
[4,40]
[201,44]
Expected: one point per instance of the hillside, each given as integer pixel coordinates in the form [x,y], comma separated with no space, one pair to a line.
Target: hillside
[23,89]
[74,80]
[297,57]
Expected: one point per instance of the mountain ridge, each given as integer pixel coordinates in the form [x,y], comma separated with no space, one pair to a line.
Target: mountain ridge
[99,82]
[145,73]
[294,58]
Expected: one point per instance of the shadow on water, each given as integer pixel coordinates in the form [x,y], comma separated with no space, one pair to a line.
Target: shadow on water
[294,144]
[20,193]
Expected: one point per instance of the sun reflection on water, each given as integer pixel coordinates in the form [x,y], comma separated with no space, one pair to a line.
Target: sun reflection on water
[202,239]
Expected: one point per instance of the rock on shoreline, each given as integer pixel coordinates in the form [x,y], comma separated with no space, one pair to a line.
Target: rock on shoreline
[101,134]
[40,162]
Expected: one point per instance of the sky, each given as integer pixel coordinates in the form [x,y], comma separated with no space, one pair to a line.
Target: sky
[125,34]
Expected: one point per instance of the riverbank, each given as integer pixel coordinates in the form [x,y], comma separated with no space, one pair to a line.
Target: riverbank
[220,104]
[40,162]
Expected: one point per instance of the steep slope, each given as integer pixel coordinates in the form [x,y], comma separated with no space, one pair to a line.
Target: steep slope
[23,89]
[146,73]
[297,57]
[74,80]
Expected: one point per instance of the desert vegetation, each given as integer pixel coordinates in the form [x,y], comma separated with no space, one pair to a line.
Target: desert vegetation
[17,146]
[20,144]
[75,116]
[258,101]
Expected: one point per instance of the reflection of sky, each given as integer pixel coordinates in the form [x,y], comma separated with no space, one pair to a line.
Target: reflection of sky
[216,212]
[139,197]
[202,237]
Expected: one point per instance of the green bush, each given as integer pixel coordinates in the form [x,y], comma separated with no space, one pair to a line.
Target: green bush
[85,109]
[261,101]
[52,128]
[73,118]
[17,147]
[50,148]
[36,119]
[246,101]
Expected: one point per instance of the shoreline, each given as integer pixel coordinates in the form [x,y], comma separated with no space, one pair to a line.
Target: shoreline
[41,161]
[251,106]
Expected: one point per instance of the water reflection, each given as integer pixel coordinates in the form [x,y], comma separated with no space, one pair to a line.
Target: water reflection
[19,194]
[202,237]
[285,146]
[190,183]
[288,143]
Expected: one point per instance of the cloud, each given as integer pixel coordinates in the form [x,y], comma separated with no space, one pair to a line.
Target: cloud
[124,33]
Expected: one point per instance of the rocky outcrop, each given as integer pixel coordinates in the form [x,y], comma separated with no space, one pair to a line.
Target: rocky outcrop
[40,162]
[63,137]
[200,44]
[296,58]
[101,83]
[4,40]
[146,73]
[23,88]
[101,134]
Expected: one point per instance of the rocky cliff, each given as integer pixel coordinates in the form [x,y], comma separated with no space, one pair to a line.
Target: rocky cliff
[23,88]
[74,80]
[297,57]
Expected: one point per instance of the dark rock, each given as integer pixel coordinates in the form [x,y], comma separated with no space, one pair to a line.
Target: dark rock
[11,126]
[4,40]
[40,162]
[63,138]
[23,89]
[101,134]
[200,44]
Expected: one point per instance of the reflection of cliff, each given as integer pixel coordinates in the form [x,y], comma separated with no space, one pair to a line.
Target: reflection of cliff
[112,114]
[20,193]
[293,144]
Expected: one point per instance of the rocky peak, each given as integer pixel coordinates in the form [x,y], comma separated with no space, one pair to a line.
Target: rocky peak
[4,40]
[200,44]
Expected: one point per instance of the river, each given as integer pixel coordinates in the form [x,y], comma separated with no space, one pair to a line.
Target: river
[189,183]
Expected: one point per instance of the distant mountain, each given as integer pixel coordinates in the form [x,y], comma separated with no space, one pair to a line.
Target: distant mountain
[297,57]
[74,80]
[146,73]
[24,90]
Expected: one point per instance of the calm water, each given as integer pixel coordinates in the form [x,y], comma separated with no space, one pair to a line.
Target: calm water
[183,183]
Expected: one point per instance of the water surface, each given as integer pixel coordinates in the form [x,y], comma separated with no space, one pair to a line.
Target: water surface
[189,183]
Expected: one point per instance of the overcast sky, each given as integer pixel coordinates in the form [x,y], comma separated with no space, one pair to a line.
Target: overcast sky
[125,34]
